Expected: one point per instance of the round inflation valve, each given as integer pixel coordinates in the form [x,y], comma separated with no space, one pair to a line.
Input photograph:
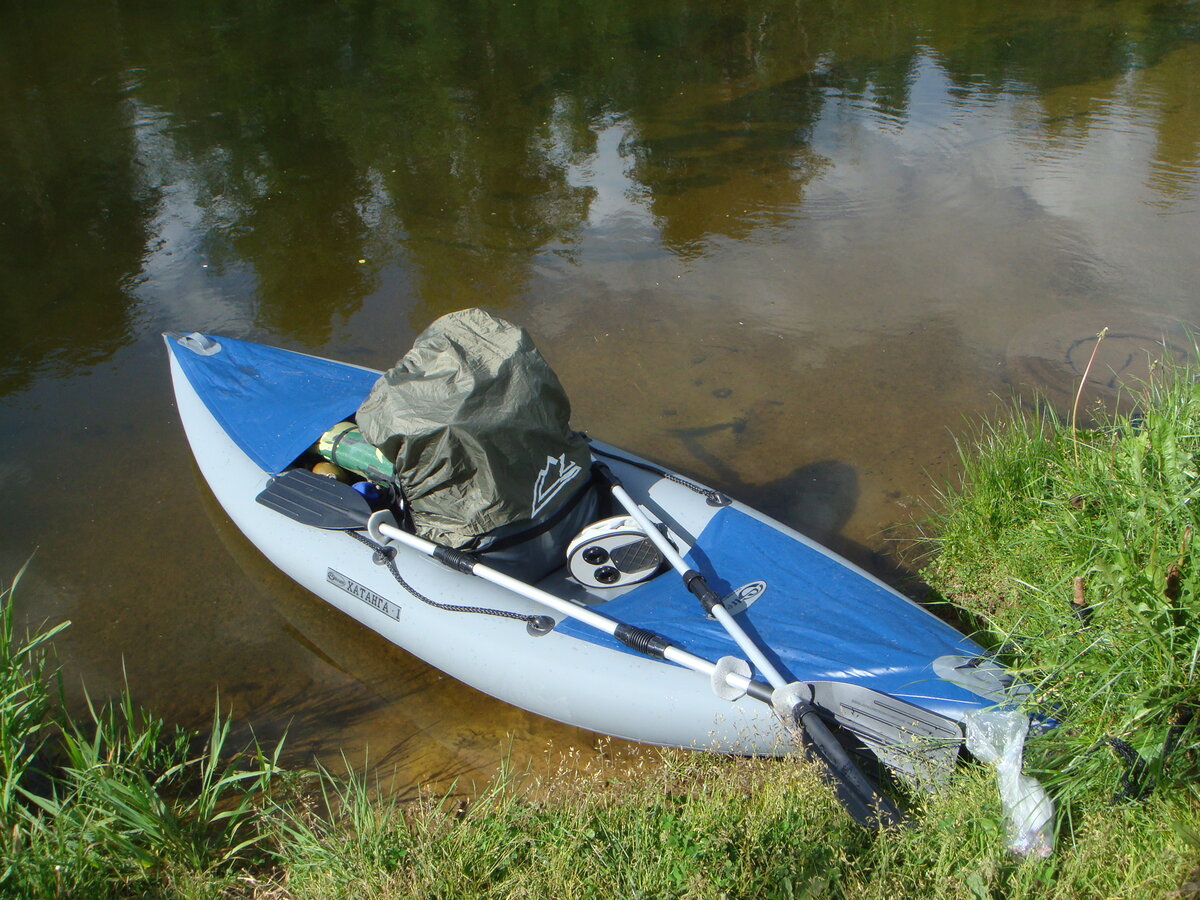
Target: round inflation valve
[607,575]
[612,553]
[595,556]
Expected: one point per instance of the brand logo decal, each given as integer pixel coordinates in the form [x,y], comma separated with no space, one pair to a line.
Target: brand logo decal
[365,594]
[555,476]
[743,597]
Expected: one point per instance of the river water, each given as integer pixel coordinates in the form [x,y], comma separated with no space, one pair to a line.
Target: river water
[791,249]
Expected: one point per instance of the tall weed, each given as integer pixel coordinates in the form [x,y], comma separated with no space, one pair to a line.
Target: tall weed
[26,724]
[117,802]
[142,798]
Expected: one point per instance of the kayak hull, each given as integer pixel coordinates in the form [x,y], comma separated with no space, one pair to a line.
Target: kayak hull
[585,679]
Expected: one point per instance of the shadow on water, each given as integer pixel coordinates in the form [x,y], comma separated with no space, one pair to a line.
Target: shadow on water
[818,500]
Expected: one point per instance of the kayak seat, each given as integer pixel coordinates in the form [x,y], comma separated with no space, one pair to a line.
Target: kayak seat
[531,552]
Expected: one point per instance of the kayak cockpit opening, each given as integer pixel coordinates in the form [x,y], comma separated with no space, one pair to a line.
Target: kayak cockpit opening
[607,554]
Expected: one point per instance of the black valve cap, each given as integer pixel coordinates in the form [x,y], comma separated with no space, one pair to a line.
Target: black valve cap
[607,575]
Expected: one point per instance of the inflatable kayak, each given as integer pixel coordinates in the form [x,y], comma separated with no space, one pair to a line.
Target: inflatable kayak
[643,660]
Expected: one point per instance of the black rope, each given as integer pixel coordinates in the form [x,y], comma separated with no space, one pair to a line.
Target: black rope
[389,555]
[715,498]
[1136,781]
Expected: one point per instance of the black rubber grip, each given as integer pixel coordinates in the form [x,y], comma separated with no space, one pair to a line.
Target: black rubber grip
[697,585]
[455,559]
[606,473]
[866,804]
[760,691]
[642,640]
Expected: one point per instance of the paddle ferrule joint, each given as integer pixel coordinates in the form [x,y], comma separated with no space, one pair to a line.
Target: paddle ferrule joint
[455,559]
[643,640]
[699,587]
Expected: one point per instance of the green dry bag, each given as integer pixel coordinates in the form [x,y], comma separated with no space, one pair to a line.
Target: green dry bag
[478,427]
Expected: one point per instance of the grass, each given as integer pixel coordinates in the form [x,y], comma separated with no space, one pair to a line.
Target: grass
[1072,552]
[697,826]
[1075,553]
[117,804]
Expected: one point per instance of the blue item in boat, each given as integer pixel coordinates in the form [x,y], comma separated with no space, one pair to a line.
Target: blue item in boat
[369,490]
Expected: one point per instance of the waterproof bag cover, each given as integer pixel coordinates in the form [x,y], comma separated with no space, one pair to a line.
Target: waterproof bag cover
[478,426]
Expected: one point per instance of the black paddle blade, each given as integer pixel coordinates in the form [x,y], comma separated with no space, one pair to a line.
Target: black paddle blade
[862,799]
[316,500]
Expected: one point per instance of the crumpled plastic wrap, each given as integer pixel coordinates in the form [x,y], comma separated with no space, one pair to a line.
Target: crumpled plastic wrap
[997,737]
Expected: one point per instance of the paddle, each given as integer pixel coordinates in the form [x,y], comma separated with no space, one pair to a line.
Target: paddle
[325,503]
[694,581]
[901,734]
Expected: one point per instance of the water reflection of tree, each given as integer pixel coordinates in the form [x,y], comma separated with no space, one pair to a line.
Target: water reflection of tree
[1178,131]
[1079,64]
[442,136]
[453,127]
[243,88]
[73,209]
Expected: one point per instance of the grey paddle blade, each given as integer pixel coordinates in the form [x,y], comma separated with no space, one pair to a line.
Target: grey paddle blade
[316,500]
[914,741]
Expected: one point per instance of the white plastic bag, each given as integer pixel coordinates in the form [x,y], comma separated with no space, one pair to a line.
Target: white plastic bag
[997,737]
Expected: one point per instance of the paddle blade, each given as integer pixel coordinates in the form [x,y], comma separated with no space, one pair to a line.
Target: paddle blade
[860,796]
[915,742]
[313,499]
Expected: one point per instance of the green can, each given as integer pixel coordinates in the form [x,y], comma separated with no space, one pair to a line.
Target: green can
[345,446]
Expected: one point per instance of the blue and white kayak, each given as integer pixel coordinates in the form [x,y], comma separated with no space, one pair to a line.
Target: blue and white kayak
[251,412]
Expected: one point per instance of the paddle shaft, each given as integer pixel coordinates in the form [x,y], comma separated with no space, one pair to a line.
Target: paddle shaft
[697,584]
[640,639]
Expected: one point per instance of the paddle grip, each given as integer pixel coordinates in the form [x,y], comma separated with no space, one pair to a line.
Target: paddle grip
[760,691]
[699,587]
[864,801]
[642,640]
[606,473]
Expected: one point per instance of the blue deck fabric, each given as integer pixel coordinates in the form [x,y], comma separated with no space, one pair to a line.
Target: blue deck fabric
[273,403]
[823,620]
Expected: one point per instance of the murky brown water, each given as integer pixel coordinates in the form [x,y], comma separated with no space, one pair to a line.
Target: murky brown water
[792,250]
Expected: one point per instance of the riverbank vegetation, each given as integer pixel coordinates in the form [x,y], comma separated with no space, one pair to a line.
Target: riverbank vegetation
[1070,551]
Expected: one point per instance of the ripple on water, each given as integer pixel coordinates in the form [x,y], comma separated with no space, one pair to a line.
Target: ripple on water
[1053,353]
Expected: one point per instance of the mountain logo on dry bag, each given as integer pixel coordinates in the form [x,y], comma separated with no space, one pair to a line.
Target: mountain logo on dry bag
[555,476]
